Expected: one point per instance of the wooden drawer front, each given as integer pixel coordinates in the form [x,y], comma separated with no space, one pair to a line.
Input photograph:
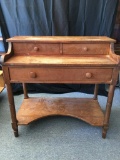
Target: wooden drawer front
[60,75]
[36,48]
[86,48]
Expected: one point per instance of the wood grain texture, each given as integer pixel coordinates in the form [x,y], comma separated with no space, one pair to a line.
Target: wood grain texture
[85,109]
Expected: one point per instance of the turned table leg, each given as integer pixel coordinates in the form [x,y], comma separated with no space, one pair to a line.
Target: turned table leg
[108,110]
[96,91]
[25,91]
[12,110]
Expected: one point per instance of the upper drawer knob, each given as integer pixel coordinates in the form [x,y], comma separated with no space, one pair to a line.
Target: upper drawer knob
[36,49]
[85,49]
[33,75]
[88,75]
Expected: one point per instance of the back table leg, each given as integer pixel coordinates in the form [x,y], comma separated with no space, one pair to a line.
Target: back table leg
[96,91]
[12,110]
[25,91]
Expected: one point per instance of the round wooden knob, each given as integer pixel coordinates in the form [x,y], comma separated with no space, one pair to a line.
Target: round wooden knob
[33,75]
[85,49]
[88,75]
[36,48]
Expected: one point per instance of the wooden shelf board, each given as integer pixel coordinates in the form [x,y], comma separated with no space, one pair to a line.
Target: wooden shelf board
[1,89]
[62,60]
[85,109]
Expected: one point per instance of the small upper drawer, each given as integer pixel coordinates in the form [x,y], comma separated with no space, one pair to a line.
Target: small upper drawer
[85,48]
[20,48]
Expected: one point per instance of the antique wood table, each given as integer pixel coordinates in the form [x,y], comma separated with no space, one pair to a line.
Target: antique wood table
[60,59]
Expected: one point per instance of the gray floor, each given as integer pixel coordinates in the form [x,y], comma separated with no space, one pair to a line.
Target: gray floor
[59,138]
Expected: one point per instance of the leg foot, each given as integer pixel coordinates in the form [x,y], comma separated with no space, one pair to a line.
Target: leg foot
[104,134]
[15,129]
[104,131]
[16,133]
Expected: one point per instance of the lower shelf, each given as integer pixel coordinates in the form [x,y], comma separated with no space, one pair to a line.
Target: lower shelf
[85,109]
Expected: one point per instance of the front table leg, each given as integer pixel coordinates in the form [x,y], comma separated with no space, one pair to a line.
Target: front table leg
[108,110]
[12,110]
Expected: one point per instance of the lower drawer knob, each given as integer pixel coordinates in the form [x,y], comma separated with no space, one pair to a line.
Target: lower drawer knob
[85,49]
[33,75]
[36,49]
[88,75]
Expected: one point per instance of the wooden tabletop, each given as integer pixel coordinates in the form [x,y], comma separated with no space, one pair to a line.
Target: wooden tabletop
[55,39]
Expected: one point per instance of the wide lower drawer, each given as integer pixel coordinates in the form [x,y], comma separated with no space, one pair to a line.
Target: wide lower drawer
[60,75]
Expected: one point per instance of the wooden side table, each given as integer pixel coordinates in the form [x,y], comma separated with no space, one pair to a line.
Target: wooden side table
[85,60]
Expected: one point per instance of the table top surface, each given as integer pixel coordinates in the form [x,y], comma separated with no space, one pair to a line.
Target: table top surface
[55,39]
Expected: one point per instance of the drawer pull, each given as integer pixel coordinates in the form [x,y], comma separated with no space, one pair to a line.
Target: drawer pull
[36,49]
[88,75]
[33,75]
[85,49]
